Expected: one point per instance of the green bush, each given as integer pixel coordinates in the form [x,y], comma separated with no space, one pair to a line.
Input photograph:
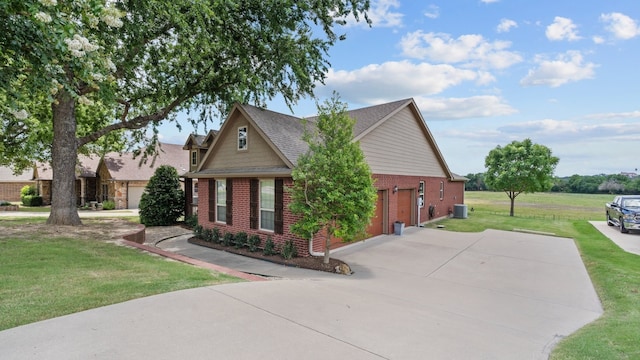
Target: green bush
[207,235]
[240,240]
[29,196]
[289,250]
[191,221]
[254,242]
[28,190]
[227,239]
[269,247]
[4,203]
[31,200]
[216,235]
[198,231]
[162,201]
[108,205]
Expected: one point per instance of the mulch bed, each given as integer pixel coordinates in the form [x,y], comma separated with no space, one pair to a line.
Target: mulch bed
[306,262]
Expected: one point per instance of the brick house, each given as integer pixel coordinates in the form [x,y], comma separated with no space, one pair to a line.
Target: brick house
[86,184]
[11,184]
[122,178]
[247,166]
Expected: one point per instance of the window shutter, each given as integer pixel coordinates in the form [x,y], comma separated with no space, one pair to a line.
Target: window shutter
[229,202]
[212,200]
[254,203]
[279,207]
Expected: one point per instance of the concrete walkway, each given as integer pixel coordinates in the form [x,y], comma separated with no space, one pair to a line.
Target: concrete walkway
[429,294]
[629,242]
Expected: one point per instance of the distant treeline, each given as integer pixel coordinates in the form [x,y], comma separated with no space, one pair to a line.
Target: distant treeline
[594,184]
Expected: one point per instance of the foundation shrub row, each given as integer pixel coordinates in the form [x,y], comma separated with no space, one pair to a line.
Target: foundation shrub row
[241,240]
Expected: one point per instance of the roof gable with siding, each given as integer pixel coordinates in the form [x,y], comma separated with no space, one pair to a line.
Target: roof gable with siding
[393,136]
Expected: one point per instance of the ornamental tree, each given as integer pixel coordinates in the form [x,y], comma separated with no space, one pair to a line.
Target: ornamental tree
[72,72]
[520,167]
[332,187]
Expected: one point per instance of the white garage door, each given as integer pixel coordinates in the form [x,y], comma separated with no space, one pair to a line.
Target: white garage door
[135,193]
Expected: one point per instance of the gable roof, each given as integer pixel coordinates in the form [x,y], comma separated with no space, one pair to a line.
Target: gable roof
[85,167]
[284,133]
[195,141]
[127,168]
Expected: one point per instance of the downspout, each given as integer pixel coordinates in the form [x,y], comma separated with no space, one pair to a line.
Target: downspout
[311,252]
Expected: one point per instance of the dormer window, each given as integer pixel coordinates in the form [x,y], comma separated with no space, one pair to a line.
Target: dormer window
[194,157]
[242,138]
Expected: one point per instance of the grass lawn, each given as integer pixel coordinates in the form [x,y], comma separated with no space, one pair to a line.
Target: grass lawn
[44,276]
[614,272]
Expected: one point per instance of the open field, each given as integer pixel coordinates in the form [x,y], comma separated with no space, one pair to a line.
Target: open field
[615,273]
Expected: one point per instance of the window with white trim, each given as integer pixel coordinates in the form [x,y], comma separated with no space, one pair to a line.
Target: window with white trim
[441,190]
[194,157]
[221,200]
[267,204]
[242,138]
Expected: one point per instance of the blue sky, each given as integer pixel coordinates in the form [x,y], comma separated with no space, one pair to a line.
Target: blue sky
[487,72]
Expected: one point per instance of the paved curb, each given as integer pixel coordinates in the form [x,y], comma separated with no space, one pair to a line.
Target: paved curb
[191,261]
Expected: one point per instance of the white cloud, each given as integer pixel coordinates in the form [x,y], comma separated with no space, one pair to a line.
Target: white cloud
[598,39]
[506,25]
[489,1]
[381,15]
[570,131]
[470,50]
[562,29]
[433,12]
[620,25]
[377,83]
[618,115]
[463,108]
[565,68]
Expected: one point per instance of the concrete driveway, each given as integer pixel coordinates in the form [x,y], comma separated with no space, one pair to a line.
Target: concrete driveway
[429,294]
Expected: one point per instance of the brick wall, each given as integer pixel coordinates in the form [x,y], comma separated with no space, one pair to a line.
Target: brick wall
[10,191]
[453,194]
[241,215]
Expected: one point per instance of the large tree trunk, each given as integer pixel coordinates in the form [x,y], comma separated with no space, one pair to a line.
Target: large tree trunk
[64,155]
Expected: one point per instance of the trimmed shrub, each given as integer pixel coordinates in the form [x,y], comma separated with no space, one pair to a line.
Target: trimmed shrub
[254,242]
[162,201]
[269,247]
[191,221]
[198,231]
[240,240]
[29,196]
[289,250]
[31,200]
[28,190]
[108,205]
[207,235]
[227,239]
[216,235]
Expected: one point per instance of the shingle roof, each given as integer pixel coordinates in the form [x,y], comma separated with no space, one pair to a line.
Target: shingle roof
[125,167]
[7,175]
[286,131]
[86,167]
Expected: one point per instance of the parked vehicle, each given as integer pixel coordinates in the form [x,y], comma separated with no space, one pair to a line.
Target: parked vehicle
[624,212]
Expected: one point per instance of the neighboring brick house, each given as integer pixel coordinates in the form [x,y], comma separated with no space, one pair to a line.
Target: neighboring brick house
[243,175]
[11,184]
[122,178]
[86,184]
